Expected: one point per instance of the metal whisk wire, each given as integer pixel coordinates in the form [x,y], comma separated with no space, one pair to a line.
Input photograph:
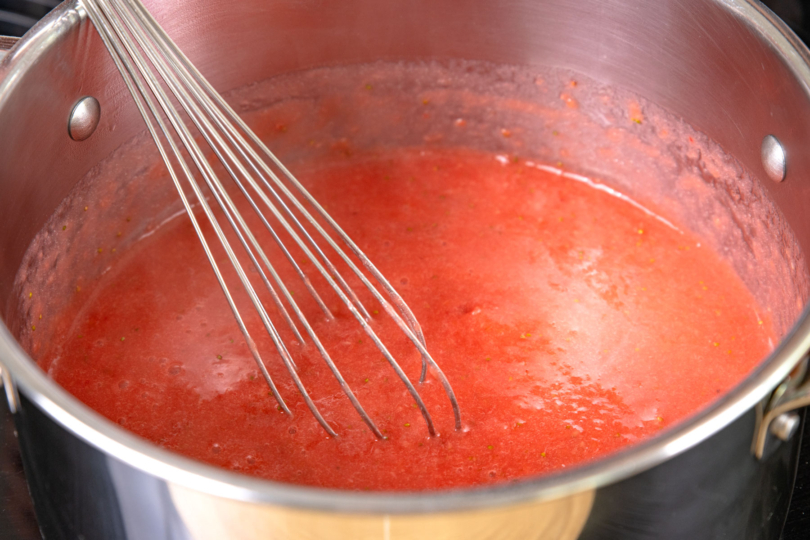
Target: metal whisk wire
[145,55]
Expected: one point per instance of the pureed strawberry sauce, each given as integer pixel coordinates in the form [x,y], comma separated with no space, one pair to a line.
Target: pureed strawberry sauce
[570,318]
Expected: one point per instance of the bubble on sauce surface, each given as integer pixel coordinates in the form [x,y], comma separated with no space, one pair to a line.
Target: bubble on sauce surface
[216,448]
[123,385]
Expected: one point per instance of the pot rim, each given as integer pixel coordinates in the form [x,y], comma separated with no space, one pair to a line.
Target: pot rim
[111,439]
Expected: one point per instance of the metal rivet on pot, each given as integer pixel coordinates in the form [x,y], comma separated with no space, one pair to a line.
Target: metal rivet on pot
[785,426]
[84,118]
[774,159]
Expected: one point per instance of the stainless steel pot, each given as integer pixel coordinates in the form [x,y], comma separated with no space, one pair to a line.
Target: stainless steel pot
[727,67]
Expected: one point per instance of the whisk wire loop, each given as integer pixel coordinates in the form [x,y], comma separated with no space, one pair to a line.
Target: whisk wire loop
[130,32]
[232,213]
[143,102]
[136,61]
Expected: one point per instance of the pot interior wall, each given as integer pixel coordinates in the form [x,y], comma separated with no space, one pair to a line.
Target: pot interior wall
[324,113]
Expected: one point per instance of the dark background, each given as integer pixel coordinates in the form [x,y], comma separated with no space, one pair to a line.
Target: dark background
[17,16]
[17,521]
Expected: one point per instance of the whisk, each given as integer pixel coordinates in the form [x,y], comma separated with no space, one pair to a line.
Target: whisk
[160,77]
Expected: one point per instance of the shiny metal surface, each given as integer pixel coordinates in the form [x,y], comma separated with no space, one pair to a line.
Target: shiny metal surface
[785,426]
[12,398]
[710,62]
[84,118]
[6,43]
[774,160]
[776,416]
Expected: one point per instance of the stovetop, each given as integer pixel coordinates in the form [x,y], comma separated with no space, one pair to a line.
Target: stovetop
[17,519]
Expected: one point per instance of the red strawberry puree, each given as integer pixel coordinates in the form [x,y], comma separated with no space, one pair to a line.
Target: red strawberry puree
[569,320]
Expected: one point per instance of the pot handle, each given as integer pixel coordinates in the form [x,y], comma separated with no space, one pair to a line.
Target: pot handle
[776,415]
[6,43]
[12,396]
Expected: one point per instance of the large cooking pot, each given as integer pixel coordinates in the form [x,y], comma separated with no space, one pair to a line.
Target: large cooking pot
[729,68]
